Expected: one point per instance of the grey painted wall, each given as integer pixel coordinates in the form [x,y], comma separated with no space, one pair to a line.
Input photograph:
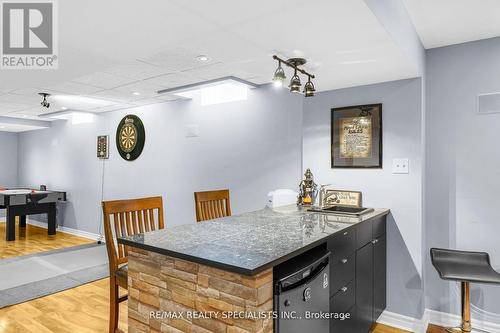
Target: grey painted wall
[463,167]
[250,147]
[402,113]
[8,159]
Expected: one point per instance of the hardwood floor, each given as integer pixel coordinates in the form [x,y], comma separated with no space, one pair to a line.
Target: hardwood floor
[79,310]
[379,328]
[83,309]
[34,239]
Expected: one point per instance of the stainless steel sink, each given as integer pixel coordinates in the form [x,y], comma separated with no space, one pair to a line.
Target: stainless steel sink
[342,210]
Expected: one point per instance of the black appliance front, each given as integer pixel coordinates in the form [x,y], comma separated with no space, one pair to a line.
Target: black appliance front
[302,294]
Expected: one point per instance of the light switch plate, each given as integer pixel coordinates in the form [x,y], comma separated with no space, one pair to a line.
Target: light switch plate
[400,165]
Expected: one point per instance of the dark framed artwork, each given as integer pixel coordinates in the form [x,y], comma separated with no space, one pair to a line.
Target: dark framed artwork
[357,136]
[130,137]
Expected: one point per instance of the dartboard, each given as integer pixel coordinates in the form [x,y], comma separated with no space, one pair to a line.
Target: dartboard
[130,137]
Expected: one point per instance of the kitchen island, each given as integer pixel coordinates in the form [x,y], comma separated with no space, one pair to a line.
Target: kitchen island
[217,276]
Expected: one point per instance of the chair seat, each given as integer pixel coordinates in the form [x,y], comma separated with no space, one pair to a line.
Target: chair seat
[122,276]
[464,266]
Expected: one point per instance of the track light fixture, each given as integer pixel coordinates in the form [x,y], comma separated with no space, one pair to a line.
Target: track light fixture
[309,88]
[279,75]
[44,102]
[295,84]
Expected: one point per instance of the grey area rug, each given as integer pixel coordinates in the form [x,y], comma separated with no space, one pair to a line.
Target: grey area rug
[28,277]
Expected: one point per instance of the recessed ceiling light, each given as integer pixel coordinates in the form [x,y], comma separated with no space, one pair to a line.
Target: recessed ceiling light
[25,116]
[202,58]
[2,127]
[64,108]
[136,93]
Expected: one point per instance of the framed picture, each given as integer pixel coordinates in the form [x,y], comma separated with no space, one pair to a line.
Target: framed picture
[357,136]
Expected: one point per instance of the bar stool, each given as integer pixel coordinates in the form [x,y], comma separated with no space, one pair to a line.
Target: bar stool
[465,267]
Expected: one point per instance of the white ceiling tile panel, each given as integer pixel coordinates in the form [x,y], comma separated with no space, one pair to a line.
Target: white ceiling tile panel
[115,96]
[174,80]
[177,59]
[73,88]
[145,89]
[103,80]
[115,107]
[137,70]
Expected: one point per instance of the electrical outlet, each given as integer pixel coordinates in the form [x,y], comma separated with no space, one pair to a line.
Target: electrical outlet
[400,165]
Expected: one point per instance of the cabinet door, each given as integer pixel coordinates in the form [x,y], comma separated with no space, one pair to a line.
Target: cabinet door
[379,276]
[364,288]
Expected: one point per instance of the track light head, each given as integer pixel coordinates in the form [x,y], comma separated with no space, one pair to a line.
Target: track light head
[279,75]
[295,83]
[44,102]
[309,88]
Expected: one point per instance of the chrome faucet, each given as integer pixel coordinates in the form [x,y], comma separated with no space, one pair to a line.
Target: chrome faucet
[323,195]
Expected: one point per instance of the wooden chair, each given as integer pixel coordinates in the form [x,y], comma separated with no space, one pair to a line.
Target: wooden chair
[125,218]
[212,204]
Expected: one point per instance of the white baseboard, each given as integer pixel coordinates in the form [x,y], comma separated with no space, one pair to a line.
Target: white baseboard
[448,319]
[431,317]
[67,230]
[403,322]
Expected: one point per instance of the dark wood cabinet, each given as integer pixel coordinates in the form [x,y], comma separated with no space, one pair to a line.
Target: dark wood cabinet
[364,288]
[359,264]
[379,276]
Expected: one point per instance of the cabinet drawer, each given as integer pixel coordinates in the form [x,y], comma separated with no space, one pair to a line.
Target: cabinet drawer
[342,245]
[346,325]
[342,272]
[364,232]
[344,299]
[379,227]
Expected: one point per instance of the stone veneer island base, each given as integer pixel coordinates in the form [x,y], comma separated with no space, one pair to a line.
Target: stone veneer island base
[161,286]
[230,266]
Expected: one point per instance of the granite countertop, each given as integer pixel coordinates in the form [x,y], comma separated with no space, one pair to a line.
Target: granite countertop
[248,243]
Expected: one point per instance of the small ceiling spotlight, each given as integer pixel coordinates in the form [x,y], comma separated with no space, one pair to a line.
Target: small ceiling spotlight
[202,58]
[136,93]
[44,102]
[279,75]
[295,84]
[309,88]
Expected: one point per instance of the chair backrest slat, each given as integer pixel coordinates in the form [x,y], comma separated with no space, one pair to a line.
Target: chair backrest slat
[212,205]
[126,218]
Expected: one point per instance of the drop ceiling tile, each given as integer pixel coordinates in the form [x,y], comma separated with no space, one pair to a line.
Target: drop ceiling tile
[73,88]
[103,80]
[115,96]
[33,92]
[24,99]
[174,80]
[11,107]
[115,107]
[30,112]
[143,88]
[137,70]
[178,59]
[148,101]
[220,70]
